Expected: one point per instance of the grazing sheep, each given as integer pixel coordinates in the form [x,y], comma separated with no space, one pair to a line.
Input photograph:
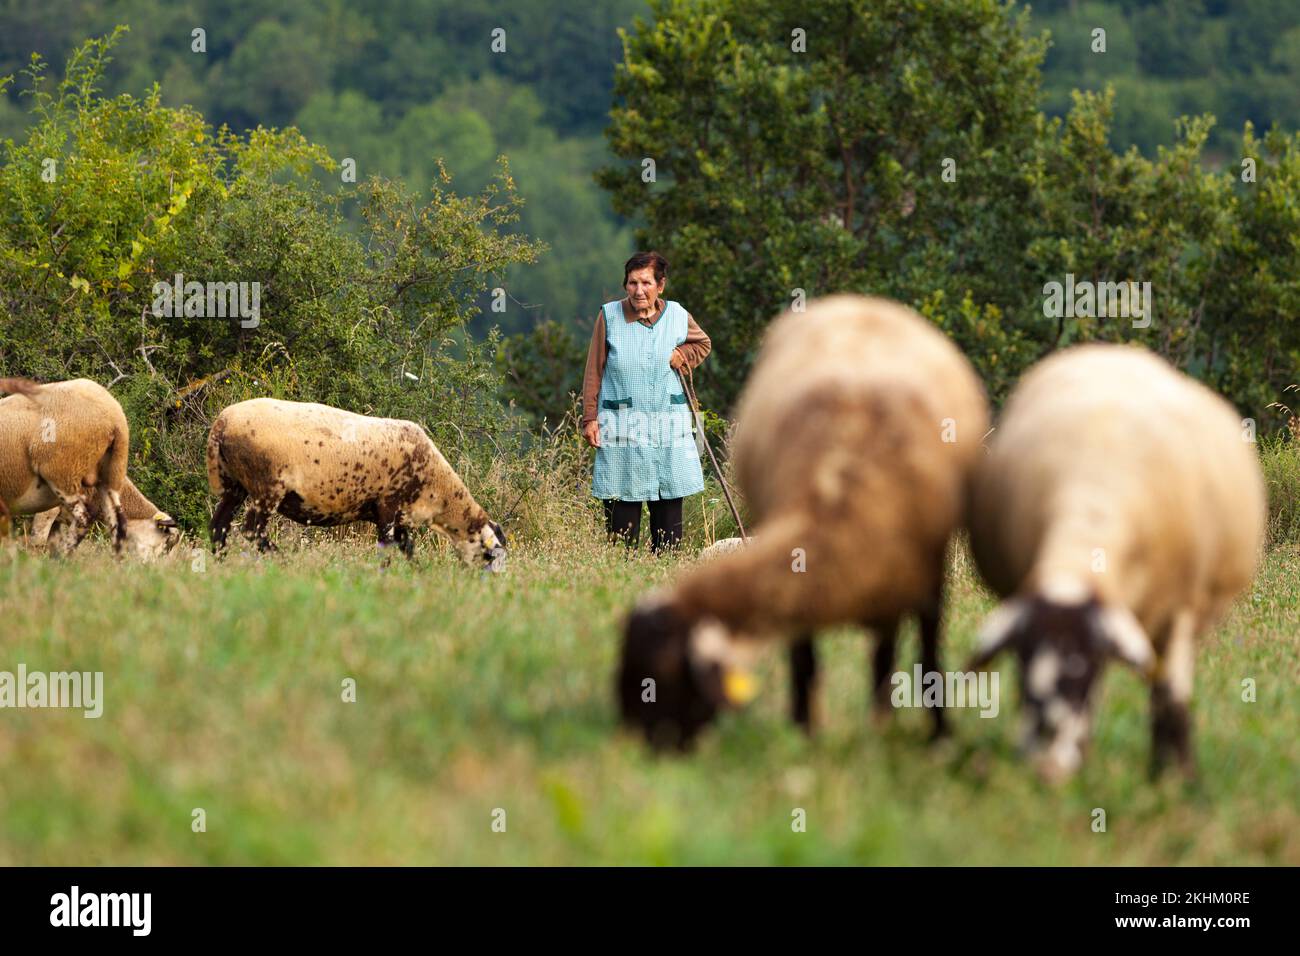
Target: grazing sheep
[858,430]
[64,445]
[150,532]
[722,546]
[319,465]
[1118,512]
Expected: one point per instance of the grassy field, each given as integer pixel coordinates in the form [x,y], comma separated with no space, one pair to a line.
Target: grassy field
[223,691]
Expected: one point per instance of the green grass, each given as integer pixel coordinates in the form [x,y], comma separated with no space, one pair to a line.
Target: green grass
[223,691]
[1280,461]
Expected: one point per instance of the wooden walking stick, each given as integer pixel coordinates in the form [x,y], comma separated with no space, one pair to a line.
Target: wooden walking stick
[695,410]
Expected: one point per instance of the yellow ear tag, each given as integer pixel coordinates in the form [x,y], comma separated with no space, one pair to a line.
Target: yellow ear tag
[739,687]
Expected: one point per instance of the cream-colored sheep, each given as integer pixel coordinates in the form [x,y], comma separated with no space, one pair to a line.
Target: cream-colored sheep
[722,546]
[1119,511]
[319,465]
[857,433]
[64,445]
[150,531]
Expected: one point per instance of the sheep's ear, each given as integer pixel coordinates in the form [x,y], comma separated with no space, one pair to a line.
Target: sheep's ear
[721,666]
[999,631]
[1123,637]
[164,521]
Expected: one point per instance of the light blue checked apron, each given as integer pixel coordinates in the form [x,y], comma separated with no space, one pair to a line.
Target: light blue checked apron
[647,448]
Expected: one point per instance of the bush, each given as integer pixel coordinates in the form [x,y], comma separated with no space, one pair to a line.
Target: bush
[107,197]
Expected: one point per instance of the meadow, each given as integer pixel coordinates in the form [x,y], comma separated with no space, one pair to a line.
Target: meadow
[475,694]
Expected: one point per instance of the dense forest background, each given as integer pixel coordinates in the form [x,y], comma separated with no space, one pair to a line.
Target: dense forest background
[956,155]
[397,85]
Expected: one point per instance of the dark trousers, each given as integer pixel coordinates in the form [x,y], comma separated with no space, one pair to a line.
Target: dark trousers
[623,520]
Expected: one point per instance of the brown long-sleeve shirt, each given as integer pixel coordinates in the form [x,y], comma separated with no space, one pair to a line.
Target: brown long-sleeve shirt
[695,349]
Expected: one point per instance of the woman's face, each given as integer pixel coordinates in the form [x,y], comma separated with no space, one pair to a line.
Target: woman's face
[642,288]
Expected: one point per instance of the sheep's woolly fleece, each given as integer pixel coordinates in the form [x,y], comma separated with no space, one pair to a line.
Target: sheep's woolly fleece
[63,444]
[324,466]
[1110,468]
[856,436]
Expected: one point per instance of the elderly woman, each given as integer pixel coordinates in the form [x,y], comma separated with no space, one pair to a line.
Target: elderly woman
[634,410]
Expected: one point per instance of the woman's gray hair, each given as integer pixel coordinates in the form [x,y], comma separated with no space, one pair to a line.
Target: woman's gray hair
[643,259]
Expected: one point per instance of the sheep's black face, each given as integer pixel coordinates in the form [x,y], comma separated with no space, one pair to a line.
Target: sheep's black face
[1061,656]
[661,690]
[1063,647]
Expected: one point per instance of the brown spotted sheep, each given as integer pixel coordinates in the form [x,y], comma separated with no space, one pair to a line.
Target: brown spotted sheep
[858,430]
[64,445]
[1118,513]
[150,531]
[322,466]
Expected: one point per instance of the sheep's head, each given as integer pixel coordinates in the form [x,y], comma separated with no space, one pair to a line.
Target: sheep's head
[484,547]
[1063,644]
[677,674]
[151,538]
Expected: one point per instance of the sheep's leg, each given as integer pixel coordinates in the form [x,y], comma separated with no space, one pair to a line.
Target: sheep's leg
[803,682]
[882,667]
[74,520]
[219,527]
[255,519]
[929,619]
[49,533]
[5,523]
[110,507]
[402,535]
[385,525]
[74,524]
[392,530]
[1171,694]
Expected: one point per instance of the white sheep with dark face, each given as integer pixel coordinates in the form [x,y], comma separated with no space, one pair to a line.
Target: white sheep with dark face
[1118,512]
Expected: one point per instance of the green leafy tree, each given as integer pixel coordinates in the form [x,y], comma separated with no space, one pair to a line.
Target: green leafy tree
[108,196]
[1248,339]
[820,167]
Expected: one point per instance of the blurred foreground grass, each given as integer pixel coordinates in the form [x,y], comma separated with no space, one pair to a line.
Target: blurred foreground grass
[223,691]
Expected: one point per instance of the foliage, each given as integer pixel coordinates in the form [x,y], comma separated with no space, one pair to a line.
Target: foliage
[538,369]
[1281,463]
[779,170]
[1165,58]
[783,175]
[143,193]
[394,86]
